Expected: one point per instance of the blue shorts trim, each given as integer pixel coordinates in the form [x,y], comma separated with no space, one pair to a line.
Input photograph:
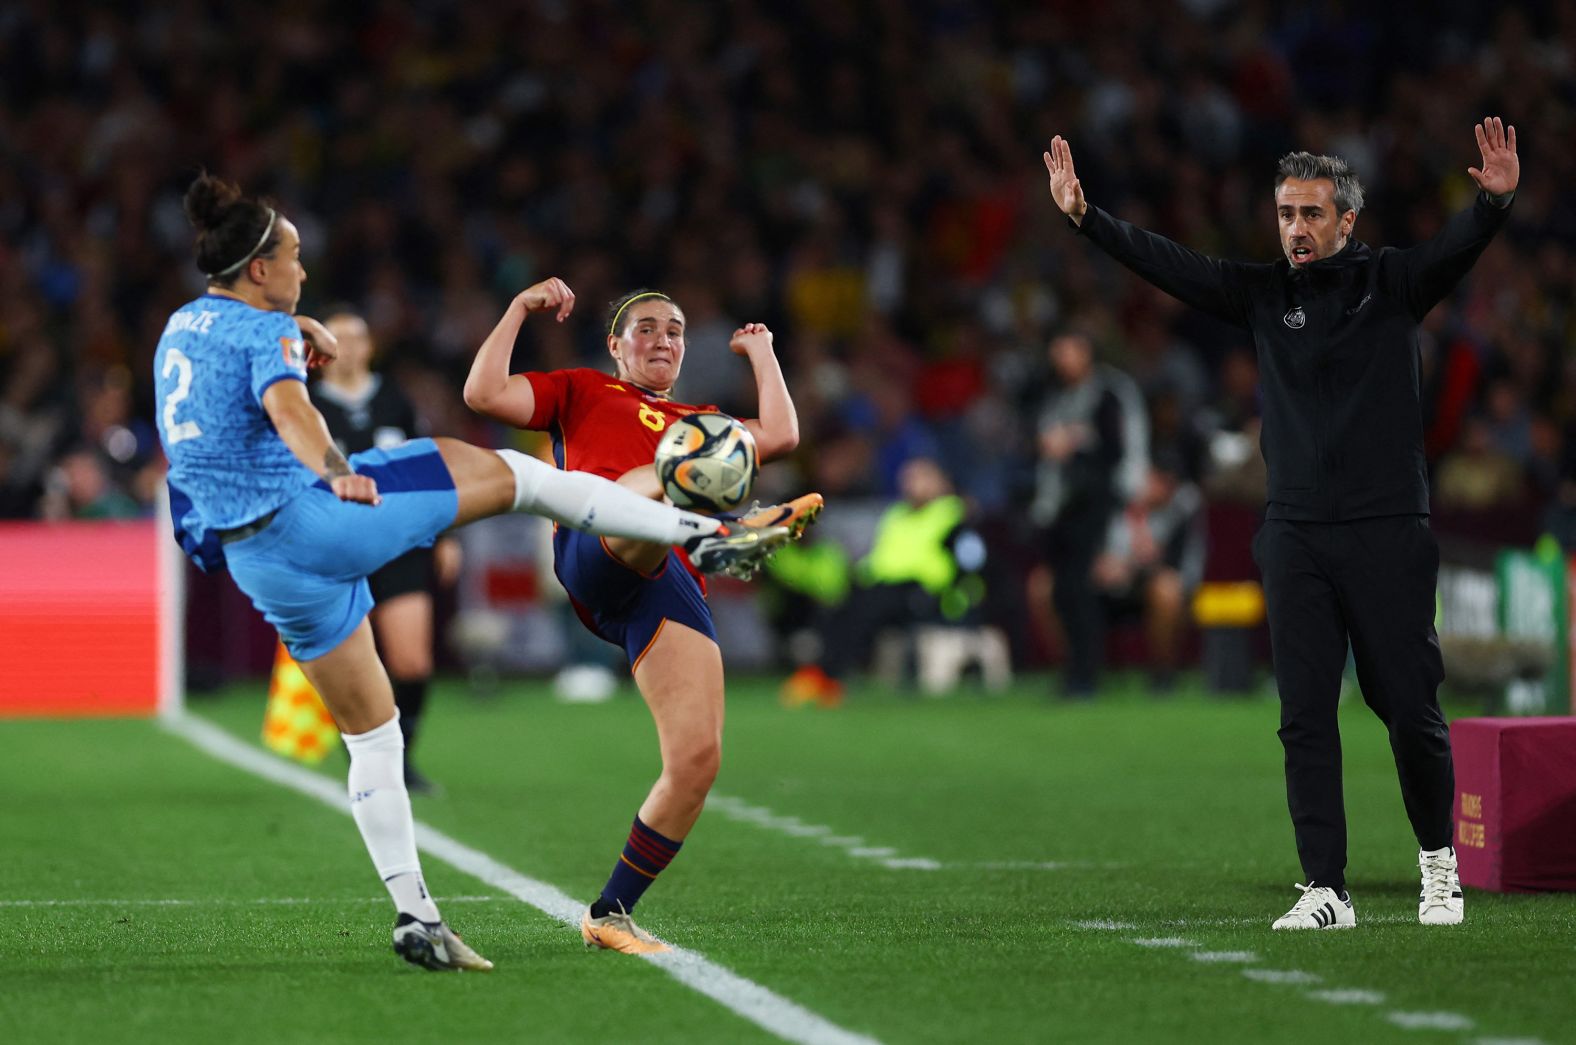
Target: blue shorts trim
[621,605]
[307,571]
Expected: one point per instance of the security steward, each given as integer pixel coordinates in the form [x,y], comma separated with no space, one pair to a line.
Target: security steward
[1345,550]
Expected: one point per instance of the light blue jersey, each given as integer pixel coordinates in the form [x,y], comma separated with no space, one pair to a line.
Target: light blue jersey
[215,360]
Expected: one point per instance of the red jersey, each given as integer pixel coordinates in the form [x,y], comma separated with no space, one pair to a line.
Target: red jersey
[600,424]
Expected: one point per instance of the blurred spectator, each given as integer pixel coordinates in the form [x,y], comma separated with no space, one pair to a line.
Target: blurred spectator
[924,568]
[80,488]
[1153,559]
[1085,434]
[1479,475]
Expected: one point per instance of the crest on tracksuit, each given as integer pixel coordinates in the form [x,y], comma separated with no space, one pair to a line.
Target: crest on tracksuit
[1296,318]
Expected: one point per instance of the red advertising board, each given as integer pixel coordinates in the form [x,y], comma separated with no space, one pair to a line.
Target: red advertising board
[79,618]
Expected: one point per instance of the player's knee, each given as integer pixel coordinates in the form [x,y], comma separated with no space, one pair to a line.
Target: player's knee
[694,768]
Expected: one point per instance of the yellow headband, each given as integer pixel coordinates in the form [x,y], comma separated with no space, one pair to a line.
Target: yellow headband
[613,327]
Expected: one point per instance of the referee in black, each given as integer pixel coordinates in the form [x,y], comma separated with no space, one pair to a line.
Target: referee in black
[1345,550]
[364,411]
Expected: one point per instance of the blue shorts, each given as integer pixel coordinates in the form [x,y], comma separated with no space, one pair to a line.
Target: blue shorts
[306,571]
[622,605]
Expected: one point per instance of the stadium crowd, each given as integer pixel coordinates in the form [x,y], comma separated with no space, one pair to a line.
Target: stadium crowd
[863,177]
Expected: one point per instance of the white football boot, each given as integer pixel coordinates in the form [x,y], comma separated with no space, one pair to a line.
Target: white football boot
[433,945]
[1319,908]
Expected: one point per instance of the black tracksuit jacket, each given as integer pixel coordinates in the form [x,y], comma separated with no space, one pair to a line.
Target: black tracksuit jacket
[1338,355]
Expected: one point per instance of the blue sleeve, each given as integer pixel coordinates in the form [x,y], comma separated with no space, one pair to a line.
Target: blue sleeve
[277,352]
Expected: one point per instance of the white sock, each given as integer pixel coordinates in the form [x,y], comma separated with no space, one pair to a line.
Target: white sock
[583,501]
[381,808]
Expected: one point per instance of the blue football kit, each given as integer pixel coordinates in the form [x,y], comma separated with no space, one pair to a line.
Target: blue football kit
[240,498]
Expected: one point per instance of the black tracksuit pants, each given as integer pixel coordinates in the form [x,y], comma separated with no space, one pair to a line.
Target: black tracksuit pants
[1072,545]
[1371,581]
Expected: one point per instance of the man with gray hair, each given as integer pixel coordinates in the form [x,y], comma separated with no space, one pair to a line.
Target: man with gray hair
[1345,550]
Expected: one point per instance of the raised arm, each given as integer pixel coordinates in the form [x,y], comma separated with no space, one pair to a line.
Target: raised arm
[1220,288]
[1428,271]
[489,388]
[776,431]
[306,434]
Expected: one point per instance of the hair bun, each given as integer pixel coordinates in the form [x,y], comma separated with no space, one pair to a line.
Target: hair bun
[209,199]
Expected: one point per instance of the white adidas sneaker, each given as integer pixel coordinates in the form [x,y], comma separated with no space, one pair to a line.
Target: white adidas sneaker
[1319,908]
[1440,902]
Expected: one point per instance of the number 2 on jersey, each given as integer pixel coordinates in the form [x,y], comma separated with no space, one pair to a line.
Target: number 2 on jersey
[178,431]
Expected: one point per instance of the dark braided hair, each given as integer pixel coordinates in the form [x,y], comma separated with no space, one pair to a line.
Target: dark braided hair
[231,229]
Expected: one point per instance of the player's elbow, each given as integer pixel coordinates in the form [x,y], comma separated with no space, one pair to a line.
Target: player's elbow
[477,397]
[782,439]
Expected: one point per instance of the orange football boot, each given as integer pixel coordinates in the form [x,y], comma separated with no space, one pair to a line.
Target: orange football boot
[617,931]
[797,514]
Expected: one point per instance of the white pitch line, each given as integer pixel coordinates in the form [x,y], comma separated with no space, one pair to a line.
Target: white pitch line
[1430,1020]
[1348,996]
[1294,976]
[856,847]
[1446,1021]
[764,1008]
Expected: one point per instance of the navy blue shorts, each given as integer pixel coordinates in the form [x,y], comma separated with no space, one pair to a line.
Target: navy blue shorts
[622,605]
[307,569]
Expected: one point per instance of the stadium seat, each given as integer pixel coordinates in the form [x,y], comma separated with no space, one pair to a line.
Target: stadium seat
[941,654]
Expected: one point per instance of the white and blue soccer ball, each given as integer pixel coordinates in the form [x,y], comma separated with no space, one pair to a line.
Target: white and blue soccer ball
[707,462]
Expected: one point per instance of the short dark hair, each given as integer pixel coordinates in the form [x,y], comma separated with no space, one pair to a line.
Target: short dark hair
[1305,166]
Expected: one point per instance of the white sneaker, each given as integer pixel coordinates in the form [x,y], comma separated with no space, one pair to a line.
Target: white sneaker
[1440,901]
[1319,908]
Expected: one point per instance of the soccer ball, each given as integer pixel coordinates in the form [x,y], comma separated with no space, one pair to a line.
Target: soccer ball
[707,462]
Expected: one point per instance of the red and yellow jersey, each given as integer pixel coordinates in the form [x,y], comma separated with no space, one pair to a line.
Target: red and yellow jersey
[600,424]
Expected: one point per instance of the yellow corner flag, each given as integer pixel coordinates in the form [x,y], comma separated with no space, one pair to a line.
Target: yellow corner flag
[296,723]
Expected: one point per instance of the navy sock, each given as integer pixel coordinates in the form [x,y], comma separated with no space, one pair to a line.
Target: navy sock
[645,854]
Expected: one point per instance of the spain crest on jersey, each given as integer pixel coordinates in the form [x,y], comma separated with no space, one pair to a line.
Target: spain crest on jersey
[294,349]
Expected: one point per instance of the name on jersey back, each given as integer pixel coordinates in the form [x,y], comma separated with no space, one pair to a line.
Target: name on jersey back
[195,322]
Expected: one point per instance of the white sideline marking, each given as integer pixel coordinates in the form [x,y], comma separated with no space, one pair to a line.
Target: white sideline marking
[1280,976]
[769,1011]
[737,809]
[1447,1021]
[1348,996]
[1429,1020]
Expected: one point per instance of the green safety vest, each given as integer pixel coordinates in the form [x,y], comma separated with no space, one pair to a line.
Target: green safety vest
[910,545]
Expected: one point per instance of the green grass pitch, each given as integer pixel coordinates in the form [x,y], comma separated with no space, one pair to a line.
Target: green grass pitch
[150,893]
